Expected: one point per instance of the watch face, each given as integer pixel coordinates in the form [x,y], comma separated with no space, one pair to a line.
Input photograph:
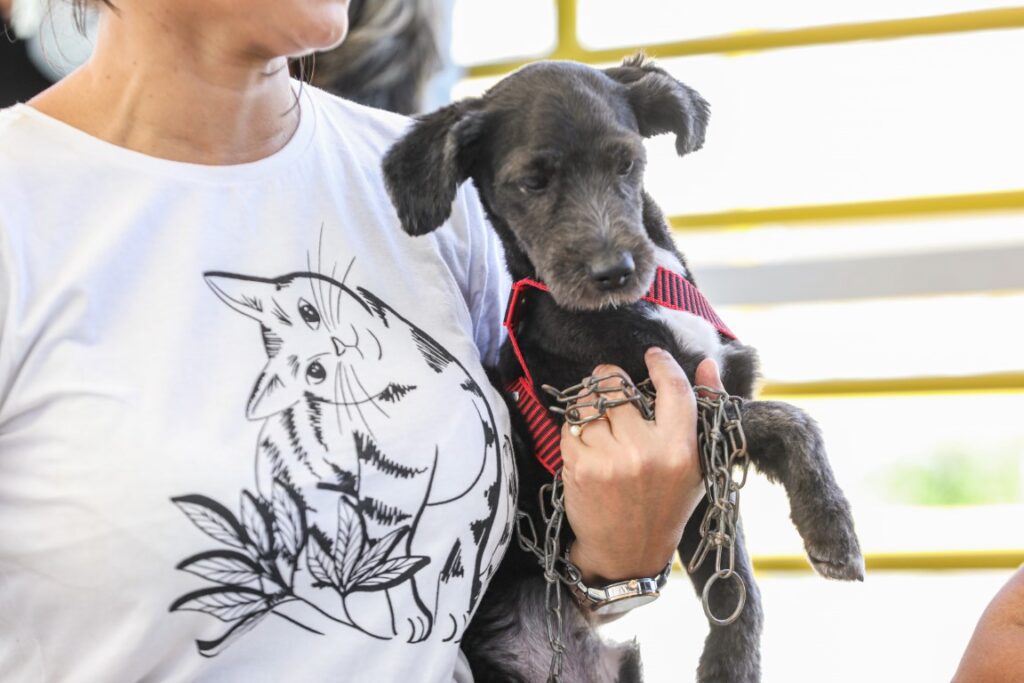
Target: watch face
[624,604]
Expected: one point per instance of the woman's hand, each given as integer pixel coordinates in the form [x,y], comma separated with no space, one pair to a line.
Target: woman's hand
[630,484]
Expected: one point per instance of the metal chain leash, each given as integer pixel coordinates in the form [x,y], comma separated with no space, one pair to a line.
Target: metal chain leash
[724,461]
[556,569]
[723,451]
[592,393]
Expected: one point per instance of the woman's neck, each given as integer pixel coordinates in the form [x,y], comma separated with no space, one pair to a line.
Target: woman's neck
[187,96]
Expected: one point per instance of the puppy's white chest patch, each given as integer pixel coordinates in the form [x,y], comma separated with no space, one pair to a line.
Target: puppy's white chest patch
[691,331]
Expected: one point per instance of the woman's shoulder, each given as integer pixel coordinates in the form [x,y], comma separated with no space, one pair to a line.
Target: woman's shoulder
[20,135]
[34,152]
[27,155]
[11,116]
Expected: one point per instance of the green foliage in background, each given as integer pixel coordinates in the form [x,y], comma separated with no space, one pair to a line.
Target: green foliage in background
[955,477]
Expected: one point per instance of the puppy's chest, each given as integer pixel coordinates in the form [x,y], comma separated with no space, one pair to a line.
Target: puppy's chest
[694,334]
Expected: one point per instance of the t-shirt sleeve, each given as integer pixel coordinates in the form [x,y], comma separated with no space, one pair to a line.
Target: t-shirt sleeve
[487,282]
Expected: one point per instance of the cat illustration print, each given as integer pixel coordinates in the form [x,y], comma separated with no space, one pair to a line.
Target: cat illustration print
[350,522]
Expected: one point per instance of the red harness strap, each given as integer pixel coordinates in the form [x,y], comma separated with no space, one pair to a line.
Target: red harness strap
[669,289]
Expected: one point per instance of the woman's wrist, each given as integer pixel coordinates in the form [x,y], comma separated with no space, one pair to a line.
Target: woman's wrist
[601,568]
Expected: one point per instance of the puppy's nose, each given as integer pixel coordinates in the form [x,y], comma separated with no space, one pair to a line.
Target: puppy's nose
[613,270]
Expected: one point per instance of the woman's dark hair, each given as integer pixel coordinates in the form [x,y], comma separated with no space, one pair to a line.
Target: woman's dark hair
[390,52]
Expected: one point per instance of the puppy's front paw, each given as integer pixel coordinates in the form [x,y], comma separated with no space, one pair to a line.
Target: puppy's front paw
[833,548]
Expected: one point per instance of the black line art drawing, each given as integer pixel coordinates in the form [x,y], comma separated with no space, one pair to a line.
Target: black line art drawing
[368,513]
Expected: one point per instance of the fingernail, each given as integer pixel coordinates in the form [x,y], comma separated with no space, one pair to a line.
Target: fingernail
[655,351]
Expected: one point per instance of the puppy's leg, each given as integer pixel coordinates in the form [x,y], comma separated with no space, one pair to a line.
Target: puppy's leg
[732,653]
[507,640]
[786,445]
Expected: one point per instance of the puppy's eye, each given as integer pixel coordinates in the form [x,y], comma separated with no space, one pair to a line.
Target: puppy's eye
[533,183]
[625,166]
[315,373]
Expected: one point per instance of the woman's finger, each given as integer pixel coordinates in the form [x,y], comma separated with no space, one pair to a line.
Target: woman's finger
[707,374]
[610,394]
[593,434]
[600,371]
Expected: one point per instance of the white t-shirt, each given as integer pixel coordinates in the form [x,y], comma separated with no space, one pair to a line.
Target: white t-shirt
[245,433]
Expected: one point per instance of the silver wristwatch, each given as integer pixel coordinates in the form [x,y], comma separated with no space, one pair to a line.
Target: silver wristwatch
[618,597]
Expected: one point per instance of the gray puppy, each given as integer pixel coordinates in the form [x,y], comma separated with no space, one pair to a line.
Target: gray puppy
[556,152]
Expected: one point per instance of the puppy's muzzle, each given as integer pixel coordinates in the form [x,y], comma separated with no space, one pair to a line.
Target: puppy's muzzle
[612,270]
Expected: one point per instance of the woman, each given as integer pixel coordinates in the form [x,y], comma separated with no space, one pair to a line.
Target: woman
[245,433]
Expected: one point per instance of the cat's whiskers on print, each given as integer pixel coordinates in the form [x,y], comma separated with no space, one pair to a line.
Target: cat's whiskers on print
[338,290]
[355,403]
[370,399]
[343,403]
[348,398]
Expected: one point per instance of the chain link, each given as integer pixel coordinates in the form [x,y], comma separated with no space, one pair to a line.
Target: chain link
[724,463]
[556,569]
[591,393]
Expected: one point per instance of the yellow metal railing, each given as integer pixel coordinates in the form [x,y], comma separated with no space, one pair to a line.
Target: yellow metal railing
[1011,382]
[569,46]
[909,561]
[960,560]
[984,202]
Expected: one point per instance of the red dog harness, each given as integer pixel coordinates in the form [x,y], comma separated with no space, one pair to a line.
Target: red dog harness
[669,289]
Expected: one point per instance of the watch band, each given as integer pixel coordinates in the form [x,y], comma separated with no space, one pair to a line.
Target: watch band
[619,596]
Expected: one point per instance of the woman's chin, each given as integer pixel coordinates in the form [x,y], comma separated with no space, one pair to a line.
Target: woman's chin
[299,36]
[327,35]
[325,31]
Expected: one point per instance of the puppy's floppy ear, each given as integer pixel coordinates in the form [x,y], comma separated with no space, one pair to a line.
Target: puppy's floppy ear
[424,169]
[662,104]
